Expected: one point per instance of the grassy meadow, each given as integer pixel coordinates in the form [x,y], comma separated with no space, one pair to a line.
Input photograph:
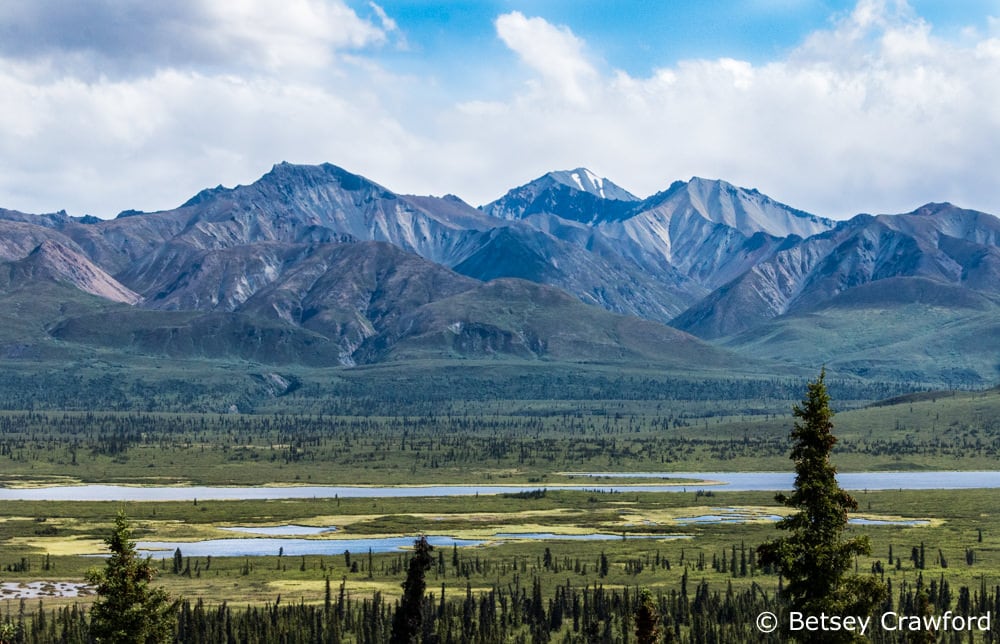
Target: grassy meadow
[649,528]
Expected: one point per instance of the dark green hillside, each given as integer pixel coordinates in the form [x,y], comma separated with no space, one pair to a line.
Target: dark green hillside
[286,274]
[29,309]
[62,348]
[902,329]
[528,320]
[189,334]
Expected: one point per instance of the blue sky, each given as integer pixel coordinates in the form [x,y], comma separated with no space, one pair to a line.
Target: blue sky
[831,106]
[639,37]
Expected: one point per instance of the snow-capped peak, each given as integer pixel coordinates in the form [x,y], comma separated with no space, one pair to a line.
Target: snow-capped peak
[584,180]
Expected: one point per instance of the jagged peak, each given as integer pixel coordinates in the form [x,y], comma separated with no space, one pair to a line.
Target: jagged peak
[131,212]
[285,175]
[285,170]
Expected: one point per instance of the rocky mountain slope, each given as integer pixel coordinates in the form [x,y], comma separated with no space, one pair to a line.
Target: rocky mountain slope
[332,266]
[938,242]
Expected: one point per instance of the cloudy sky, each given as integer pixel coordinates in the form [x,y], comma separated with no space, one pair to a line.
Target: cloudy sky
[835,107]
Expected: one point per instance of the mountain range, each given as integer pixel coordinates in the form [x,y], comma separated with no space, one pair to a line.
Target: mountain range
[316,265]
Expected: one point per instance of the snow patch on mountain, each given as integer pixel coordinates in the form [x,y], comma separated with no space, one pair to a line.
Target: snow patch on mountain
[584,180]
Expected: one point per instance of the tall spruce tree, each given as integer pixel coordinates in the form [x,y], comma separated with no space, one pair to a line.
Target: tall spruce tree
[408,619]
[815,557]
[128,610]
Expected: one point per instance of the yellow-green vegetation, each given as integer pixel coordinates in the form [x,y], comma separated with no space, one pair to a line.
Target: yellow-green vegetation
[959,518]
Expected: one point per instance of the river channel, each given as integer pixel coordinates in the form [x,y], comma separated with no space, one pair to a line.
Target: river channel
[718,481]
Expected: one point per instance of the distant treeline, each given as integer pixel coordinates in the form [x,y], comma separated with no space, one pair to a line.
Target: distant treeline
[393,391]
[602,437]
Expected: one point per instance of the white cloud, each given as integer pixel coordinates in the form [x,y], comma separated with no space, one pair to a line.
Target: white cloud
[388,24]
[105,146]
[875,113]
[554,52]
[284,33]
[135,37]
[116,104]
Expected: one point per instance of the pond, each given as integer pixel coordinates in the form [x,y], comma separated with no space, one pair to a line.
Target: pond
[39,589]
[726,517]
[289,547]
[899,522]
[296,547]
[281,530]
[736,515]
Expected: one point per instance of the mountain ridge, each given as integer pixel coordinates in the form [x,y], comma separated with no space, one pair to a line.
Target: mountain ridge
[710,258]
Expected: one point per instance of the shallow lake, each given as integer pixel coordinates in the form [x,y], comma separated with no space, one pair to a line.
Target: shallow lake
[730,481]
[734,517]
[281,530]
[290,547]
[270,547]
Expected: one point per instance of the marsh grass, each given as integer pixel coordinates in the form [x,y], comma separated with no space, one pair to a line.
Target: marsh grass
[958,517]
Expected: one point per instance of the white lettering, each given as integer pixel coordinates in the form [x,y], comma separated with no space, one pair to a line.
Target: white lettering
[827,623]
[948,621]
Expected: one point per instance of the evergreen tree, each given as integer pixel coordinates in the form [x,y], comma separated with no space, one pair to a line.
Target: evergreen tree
[815,557]
[127,609]
[407,621]
[647,619]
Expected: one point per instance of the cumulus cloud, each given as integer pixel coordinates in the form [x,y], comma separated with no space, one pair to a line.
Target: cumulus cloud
[115,104]
[552,51]
[100,147]
[134,36]
[876,113]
